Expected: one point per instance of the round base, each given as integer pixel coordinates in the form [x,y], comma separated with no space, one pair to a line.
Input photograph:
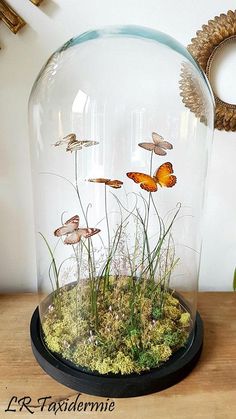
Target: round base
[157,379]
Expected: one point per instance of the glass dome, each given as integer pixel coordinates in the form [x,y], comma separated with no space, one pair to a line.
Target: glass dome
[119,161]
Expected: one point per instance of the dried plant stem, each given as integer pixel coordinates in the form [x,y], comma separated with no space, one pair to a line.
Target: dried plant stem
[77,189]
[93,291]
[107,272]
[75,249]
[90,264]
[54,265]
[150,193]
[164,237]
[147,211]
[56,275]
[136,247]
[89,249]
[146,245]
[107,219]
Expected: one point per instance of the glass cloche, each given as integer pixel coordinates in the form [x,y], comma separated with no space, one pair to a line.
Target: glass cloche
[121,121]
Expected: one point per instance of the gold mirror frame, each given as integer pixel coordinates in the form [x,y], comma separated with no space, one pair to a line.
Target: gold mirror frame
[214,35]
[11,18]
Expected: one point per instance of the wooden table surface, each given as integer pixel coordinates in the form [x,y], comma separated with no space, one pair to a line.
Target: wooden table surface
[208,392]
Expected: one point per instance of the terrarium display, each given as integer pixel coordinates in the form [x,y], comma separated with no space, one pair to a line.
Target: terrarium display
[119,166]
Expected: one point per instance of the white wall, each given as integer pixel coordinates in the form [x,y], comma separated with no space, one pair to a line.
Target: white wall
[21,58]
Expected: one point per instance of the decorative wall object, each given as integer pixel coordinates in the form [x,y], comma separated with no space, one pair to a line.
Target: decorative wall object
[11,18]
[191,93]
[215,35]
[36,2]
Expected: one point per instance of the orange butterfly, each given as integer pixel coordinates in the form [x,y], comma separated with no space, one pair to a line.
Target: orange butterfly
[162,177]
[73,233]
[113,183]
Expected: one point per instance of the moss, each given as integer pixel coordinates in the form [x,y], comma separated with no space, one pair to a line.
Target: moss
[135,332]
[160,328]
[104,366]
[185,319]
[146,309]
[157,313]
[161,353]
[147,360]
[123,364]
[53,343]
[172,300]
[175,339]
[172,312]
[156,355]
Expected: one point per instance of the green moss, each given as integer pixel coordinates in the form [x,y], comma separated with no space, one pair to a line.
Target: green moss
[161,353]
[147,360]
[157,313]
[174,339]
[135,332]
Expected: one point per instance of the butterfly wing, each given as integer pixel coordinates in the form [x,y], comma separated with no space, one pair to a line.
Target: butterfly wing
[69,138]
[73,237]
[74,219]
[68,227]
[164,175]
[115,183]
[88,143]
[157,138]
[147,146]
[74,145]
[88,232]
[159,150]
[99,180]
[76,235]
[166,145]
[59,142]
[146,182]
[79,144]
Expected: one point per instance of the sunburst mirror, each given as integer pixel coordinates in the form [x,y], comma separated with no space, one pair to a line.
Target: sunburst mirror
[214,48]
[11,18]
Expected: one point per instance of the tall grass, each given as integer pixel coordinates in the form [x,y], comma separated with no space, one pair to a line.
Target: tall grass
[149,260]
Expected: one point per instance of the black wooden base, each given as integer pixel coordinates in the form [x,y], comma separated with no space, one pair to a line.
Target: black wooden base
[170,373]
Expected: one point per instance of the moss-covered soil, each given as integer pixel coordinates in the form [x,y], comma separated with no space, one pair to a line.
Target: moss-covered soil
[138,326]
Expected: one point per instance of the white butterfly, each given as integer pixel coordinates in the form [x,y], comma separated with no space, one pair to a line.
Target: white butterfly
[73,233]
[159,145]
[73,144]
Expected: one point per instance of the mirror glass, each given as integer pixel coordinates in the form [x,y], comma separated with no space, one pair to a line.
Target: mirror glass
[223,71]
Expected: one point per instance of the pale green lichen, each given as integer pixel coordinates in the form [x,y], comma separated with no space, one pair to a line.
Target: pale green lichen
[129,337]
[185,319]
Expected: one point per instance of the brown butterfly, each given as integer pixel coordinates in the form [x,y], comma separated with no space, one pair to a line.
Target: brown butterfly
[163,176]
[73,144]
[73,233]
[113,183]
[159,145]
[65,140]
